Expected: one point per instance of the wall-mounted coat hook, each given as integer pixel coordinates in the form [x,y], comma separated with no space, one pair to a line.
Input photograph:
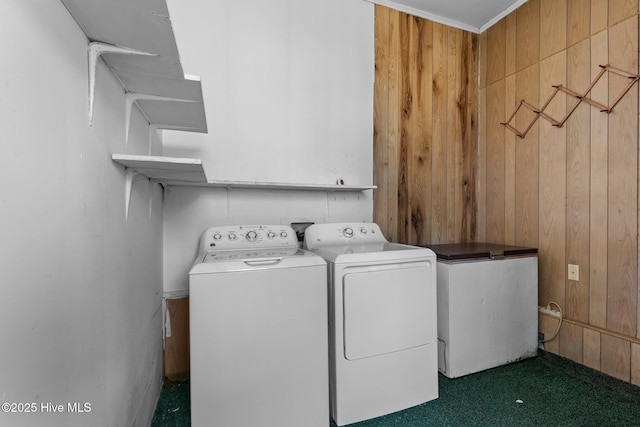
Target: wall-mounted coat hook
[539,112]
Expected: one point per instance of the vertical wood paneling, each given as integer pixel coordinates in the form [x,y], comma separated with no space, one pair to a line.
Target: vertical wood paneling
[425,129]
[552,179]
[598,209]
[421,128]
[510,44]
[510,141]
[622,245]
[579,21]
[635,364]
[599,15]
[616,357]
[591,349]
[380,122]
[454,135]
[481,187]
[527,87]
[570,342]
[553,27]
[469,141]
[482,166]
[495,178]
[635,374]
[495,62]
[548,325]
[406,122]
[572,191]
[482,58]
[394,119]
[439,175]
[577,187]
[461,135]
[528,34]
[578,175]
[619,10]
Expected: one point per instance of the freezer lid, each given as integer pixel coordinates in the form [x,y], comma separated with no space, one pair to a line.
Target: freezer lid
[475,250]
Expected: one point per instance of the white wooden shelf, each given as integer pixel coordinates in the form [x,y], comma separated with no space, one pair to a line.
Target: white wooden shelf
[164,169]
[157,168]
[135,39]
[190,172]
[278,186]
[179,171]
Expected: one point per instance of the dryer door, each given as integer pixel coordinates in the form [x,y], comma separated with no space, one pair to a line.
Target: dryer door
[388,308]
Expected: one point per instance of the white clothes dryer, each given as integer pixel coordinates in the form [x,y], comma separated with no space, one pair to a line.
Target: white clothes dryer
[258,330]
[383,348]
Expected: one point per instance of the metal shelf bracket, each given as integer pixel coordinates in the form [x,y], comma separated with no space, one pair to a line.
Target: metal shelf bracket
[131,175]
[95,50]
[133,97]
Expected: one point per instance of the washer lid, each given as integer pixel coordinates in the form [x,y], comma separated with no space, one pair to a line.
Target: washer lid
[248,254]
[257,259]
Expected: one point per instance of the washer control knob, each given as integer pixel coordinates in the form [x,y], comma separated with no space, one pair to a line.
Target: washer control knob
[232,236]
[217,236]
[363,231]
[271,235]
[283,234]
[251,236]
[348,232]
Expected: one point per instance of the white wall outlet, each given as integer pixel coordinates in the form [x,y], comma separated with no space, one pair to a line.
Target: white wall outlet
[574,272]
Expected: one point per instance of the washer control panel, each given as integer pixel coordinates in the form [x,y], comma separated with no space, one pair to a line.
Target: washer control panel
[343,233]
[231,237]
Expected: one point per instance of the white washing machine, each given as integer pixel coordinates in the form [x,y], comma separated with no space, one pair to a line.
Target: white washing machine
[258,330]
[383,348]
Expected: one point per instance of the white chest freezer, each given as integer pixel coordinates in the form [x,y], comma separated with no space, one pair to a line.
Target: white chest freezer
[487,306]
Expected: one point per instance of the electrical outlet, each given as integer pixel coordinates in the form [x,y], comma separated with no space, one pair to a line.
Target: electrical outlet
[574,272]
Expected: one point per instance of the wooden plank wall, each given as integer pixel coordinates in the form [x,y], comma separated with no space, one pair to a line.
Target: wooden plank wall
[570,191]
[425,130]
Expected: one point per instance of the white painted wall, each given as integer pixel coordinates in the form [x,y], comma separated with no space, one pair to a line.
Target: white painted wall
[287,84]
[288,91]
[81,288]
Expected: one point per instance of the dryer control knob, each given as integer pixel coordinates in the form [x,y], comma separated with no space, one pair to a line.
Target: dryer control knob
[217,236]
[283,234]
[271,234]
[232,236]
[363,231]
[348,232]
[251,236]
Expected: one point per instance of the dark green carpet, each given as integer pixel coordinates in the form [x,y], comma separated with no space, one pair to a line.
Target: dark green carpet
[553,391]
